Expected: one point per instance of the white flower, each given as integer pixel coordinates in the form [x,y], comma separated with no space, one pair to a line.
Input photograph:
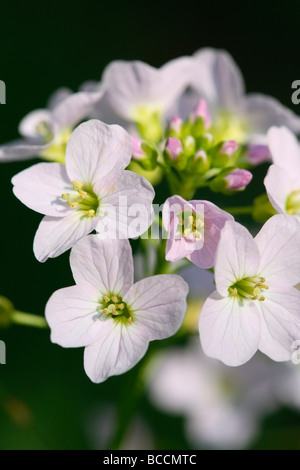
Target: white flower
[107,314]
[222,406]
[141,94]
[91,189]
[236,115]
[46,131]
[255,305]
[283,178]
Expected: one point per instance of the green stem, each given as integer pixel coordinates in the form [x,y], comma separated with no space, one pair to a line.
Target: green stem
[239,210]
[28,319]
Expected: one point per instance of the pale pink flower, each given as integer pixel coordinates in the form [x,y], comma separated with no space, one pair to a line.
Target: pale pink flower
[193,230]
[283,178]
[109,315]
[76,198]
[45,132]
[255,305]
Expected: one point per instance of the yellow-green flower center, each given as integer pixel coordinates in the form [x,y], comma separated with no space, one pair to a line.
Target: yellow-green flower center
[82,198]
[228,126]
[190,225]
[57,151]
[292,205]
[149,122]
[113,306]
[249,288]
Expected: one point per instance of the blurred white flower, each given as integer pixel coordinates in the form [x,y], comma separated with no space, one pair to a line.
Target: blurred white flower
[223,406]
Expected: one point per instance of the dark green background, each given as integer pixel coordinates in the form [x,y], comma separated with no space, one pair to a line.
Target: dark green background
[45,45]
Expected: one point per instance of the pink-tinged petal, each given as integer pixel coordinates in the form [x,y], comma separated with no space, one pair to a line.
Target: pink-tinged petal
[158,304]
[173,148]
[21,150]
[279,245]
[73,316]
[285,149]
[279,185]
[106,264]
[137,151]
[74,108]
[237,256]
[115,353]
[238,179]
[280,321]
[213,213]
[264,111]
[229,330]
[56,235]
[95,149]
[41,186]
[172,206]
[132,84]
[125,204]
[205,257]
[217,78]
[258,153]
[201,110]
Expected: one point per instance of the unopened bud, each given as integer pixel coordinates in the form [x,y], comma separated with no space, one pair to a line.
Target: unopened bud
[143,153]
[201,111]
[238,179]
[174,127]
[229,181]
[258,154]
[225,153]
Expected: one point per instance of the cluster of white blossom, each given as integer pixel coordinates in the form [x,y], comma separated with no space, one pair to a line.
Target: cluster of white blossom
[191,123]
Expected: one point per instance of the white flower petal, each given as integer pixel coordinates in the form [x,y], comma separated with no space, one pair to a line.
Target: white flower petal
[73,316]
[95,149]
[106,264]
[132,84]
[57,97]
[21,150]
[229,330]
[56,235]
[40,187]
[237,256]
[218,79]
[125,204]
[285,149]
[264,111]
[73,109]
[115,353]
[279,186]
[28,126]
[158,304]
[279,245]
[280,321]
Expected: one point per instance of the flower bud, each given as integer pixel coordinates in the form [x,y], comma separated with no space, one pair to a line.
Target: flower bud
[238,179]
[143,153]
[225,153]
[189,146]
[201,111]
[232,180]
[174,127]
[200,162]
[258,154]
[174,154]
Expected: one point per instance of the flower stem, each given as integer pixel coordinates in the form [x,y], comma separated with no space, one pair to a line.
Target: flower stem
[28,319]
[239,210]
